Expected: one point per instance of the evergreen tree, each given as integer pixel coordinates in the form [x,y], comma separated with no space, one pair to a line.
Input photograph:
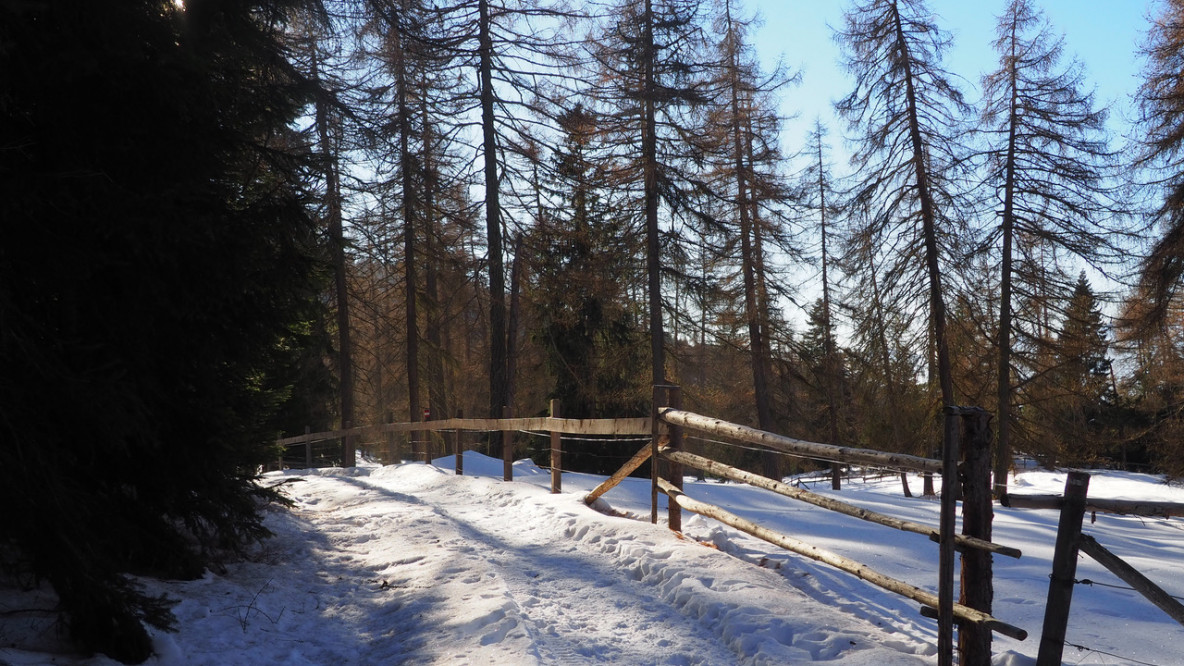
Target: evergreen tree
[1076,413]
[584,320]
[648,65]
[157,293]
[746,179]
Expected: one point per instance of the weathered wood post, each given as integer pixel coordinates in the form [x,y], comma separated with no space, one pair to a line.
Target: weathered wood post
[425,436]
[949,507]
[658,430]
[307,449]
[674,469]
[1131,576]
[507,447]
[556,452]
[978,591]
[1064,571]
[456,450]
[349,457]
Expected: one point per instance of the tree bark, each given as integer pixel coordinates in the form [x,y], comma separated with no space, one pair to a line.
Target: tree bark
[493,230]
[410,277]
[345,369]
[649,157]
[1003,388]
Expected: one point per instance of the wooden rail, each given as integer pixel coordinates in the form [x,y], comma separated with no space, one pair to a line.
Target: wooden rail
[1131,576]
[799,447]
[1097,505]
[729,472]
[962,613]
[1073,506]
[630,426]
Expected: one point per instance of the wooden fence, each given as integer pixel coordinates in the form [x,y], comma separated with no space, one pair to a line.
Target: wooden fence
[972,615]
[553,425]
[664,428]
[1070,541]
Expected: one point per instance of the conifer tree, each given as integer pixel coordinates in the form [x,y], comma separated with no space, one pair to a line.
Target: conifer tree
[906,112]
[1161,119]
[1047,160]
[146,356]
[647,61]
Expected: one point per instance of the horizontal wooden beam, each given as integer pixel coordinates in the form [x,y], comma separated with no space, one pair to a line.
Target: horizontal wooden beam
[632,426]
[1097,505]
[729,472]
[962,613]
[845,454]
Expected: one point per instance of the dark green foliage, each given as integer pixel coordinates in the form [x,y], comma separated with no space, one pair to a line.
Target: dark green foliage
[157,294]
[1075,405]
[589,335]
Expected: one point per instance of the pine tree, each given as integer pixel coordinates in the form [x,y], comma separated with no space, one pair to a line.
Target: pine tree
[1161,106]
[1081,379]
[147,355]
[746,179]
[584,321]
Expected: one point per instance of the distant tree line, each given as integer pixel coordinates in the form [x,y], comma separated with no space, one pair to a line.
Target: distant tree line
[227,221]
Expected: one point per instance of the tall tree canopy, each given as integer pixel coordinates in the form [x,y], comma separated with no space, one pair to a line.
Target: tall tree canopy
[1161,118]
[1047,162]
[906,113]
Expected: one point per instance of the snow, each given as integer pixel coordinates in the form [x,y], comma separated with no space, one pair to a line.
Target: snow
[411,564]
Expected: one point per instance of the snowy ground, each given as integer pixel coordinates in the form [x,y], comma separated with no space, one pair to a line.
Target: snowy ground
[411,564]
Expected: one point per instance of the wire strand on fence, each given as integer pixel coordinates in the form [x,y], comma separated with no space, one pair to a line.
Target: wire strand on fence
[609,439]
[1108,654]
[1087,581]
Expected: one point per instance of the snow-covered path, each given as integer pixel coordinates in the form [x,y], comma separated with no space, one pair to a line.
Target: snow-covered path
[413,565]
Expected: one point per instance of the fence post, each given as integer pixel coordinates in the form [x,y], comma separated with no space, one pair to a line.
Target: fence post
[425,437]
[349,456]
[556,452]
[673,469]
[657,430]
[978,592]
[308,449]
[507,447]
[460,455]
[1064,570]
[949,507]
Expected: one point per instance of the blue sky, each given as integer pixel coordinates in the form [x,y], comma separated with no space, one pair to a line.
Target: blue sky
[1103,34]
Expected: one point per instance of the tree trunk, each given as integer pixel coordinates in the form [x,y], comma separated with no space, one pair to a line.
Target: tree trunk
[410,277]
[437,391]
[758,352]
[336,230]
[831,365]
[512,326]
[1003,394]
[937,304]
[649,157]
[493,229]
